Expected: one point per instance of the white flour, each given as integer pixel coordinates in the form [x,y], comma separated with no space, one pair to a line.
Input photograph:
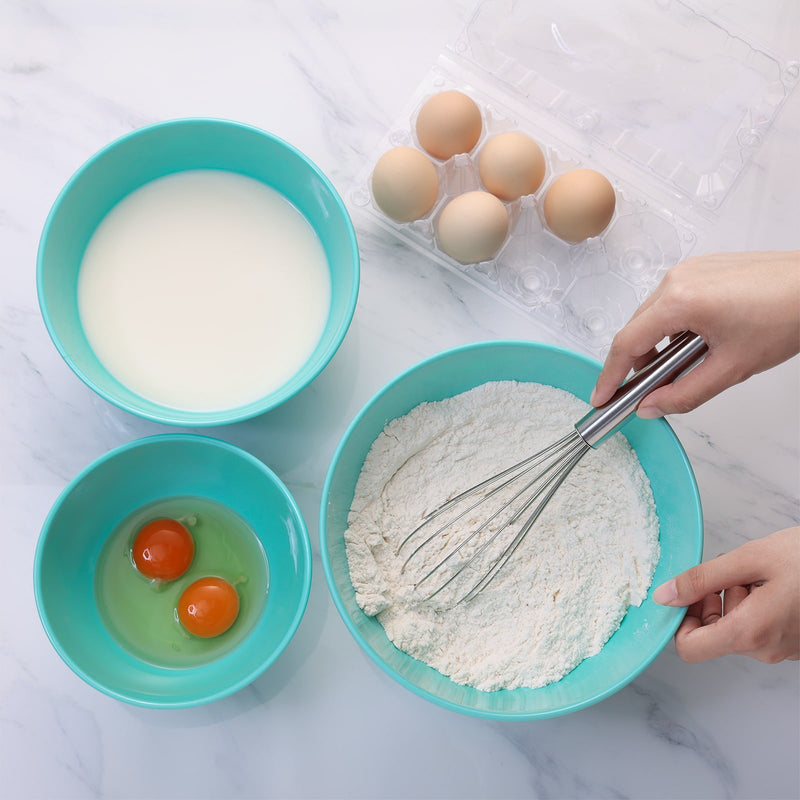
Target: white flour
[567,587]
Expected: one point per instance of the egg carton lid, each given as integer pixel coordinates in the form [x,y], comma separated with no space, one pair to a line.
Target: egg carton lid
[697,101]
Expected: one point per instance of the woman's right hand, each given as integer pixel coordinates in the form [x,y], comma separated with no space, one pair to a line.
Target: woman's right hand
[746,306]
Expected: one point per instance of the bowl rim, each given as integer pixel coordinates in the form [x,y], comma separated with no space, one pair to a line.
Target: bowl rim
[304,556]
[166,415]
[677,613]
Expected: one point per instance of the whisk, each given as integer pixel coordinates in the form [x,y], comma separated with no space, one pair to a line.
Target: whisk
[489,511]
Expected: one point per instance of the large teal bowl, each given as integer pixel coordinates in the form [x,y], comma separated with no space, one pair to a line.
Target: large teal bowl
[644,631]
[114,486]
[158,150]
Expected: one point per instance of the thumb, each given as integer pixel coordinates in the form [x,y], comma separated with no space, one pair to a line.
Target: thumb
[729,569]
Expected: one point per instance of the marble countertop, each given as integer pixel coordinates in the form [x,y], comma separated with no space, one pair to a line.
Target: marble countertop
[324,721]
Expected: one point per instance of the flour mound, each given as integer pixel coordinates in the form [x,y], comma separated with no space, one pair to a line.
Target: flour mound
[566,589]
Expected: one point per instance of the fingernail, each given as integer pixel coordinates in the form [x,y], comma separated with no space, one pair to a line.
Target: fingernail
[667,593]
[593,397]
[649,412]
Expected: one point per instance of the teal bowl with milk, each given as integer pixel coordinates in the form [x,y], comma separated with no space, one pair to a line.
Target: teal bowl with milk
[198,272]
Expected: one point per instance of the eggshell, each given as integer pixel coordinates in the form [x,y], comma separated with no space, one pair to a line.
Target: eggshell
[405,184]
[473,226]
[579,205]
[511,165]
[449,123]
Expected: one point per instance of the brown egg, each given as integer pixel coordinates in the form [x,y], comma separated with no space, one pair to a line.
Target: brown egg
[405,184]
[473,226]
[511,165]
[579,205]
[449,123]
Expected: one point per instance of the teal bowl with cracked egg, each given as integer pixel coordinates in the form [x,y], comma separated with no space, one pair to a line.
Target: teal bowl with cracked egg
[164,148]
[117,485]
[644,631]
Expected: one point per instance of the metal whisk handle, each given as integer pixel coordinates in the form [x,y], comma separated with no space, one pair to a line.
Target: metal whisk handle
[680,354]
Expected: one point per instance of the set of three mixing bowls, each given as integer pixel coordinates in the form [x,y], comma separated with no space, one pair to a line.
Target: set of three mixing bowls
[183,464]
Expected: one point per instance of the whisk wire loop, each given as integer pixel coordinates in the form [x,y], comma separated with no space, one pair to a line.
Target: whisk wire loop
[515,471]
[551,486]
[563,455]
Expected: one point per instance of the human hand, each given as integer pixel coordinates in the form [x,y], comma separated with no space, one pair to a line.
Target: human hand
[746,306]
[746,601]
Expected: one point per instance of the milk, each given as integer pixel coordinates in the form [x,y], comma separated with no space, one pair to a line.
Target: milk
[204,290]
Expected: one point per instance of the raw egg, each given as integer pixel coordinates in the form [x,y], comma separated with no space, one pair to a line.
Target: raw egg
[449,123]
[163,549]
[472,226]
[208,607]
[511,165]
[579,205]
[405,184]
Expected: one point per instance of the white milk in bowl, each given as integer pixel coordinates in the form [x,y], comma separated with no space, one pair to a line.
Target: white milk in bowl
[204,290]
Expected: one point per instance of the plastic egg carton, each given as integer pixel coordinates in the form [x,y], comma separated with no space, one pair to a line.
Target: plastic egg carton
[588,289]
[666,198]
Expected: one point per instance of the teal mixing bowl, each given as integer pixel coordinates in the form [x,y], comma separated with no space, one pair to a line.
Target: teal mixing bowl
[644,631]
[161,149]
[113,487]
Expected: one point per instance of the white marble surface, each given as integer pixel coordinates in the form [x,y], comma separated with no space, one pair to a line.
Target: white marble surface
[324,721]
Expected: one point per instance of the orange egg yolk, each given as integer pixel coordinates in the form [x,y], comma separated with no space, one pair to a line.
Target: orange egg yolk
[163,549]
[208,607]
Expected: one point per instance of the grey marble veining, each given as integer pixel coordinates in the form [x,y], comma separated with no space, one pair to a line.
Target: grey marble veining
[324,721]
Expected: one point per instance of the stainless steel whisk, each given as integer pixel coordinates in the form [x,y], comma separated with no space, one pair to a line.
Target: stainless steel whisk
[527,487]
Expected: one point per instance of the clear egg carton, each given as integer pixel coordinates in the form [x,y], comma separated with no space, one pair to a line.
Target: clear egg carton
[588,289]
[672,145]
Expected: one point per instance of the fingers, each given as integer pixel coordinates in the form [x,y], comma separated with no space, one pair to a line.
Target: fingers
[644,360]
[702,635]
[733,596]
[696,642]
[638,338]
[692,621]
[728,570]
[621,358]
[711,609]
[705,381]
[716,373]
[706,632]
[635,344]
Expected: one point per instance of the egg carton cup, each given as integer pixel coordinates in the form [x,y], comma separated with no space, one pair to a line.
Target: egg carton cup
[586,291]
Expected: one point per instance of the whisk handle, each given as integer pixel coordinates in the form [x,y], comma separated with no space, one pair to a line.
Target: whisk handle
[680,354]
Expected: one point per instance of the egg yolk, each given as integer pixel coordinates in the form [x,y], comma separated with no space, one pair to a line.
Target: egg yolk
[163,549]
[208,607]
